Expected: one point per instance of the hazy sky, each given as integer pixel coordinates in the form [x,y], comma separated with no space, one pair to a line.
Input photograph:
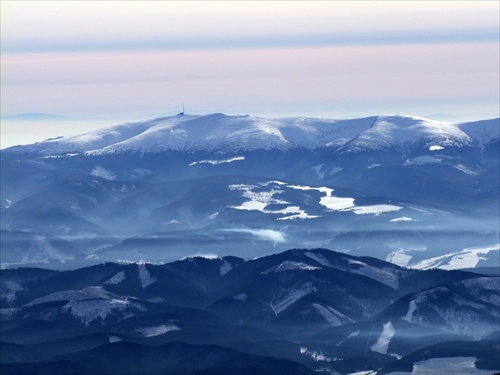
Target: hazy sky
[127,60]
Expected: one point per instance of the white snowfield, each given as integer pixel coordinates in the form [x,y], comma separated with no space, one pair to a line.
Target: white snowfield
[466,258]
[262,195]
[221,132]
[217,162]
[446,366]
[384,339]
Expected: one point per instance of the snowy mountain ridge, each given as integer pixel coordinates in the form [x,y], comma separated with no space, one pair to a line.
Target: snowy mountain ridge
[223,133]
[323,310]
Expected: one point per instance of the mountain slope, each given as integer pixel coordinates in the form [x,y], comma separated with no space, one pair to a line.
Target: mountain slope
[395,187]
[237,133]
[284,313]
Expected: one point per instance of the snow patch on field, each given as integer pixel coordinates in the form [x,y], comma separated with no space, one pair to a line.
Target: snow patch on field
[375,209]
[103,173]
[384,339]
[145,277]
[116,279]
[333,203]
[113,339]
[217,162]
[296,210]
[450,365]
[225,268]
[467,258]
[436,148]
[411,310]
[157,330]
[259,200]
[402,218]
[399,258]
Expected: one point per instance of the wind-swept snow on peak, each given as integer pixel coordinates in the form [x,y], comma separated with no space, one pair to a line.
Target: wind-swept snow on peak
[91,141]
[403,132]
[230,134]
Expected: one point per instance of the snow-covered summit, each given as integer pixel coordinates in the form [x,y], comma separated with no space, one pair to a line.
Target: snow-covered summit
[403,132]
[219,132]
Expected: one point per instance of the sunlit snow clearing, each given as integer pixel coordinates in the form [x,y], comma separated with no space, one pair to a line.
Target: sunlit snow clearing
[384,339]
[217,162]
[467,258]
[450,366]
[259,200]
